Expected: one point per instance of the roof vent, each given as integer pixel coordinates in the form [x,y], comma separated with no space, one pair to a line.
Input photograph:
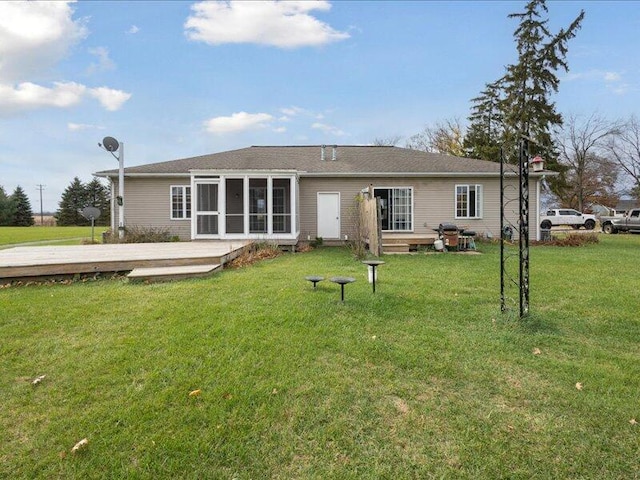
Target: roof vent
[322,147]
[334,153]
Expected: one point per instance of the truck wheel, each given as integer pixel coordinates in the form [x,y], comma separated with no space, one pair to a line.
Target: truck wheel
[589,224]
[608,228]
[545,225]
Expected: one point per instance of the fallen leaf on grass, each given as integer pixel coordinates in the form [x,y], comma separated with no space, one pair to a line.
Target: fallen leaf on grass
[537,351]
[80,445]
[38,380]
[633,421]
[274,391]
[195,393]
[227,396]
[579,386]
[62,455]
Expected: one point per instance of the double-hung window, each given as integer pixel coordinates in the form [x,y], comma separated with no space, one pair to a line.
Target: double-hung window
[180,202]
[468,201]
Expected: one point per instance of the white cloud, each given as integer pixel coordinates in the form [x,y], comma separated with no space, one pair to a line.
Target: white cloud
[109,98]
[612,77]
[104,62]
[76,127]
[238,122]
[280,129]
[34,36]
[330,129]
[286,24]
[27,96]
[293,111]
[133,30]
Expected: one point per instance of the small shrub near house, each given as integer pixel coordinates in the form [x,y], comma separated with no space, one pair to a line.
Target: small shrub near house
[138,234]
[572,240]
[255,253]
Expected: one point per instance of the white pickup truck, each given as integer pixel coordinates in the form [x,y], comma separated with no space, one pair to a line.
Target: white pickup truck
[567,216]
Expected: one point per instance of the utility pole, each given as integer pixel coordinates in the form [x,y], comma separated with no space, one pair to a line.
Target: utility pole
[41,188]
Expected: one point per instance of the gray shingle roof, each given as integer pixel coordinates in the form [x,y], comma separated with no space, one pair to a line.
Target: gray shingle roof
[307,161]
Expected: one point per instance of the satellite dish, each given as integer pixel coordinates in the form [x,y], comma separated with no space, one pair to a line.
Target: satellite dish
[110,144]
[90,213]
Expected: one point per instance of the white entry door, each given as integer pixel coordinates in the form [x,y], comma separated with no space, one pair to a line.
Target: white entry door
[328,215]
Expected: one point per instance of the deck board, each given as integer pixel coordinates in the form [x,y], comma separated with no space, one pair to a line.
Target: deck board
[65,260]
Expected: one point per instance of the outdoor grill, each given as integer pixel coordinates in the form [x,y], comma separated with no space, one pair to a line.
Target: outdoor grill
[449,234]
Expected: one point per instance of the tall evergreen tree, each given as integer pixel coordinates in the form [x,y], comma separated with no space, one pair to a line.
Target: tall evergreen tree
[98,196]
[6,208]
[483,138]
[528,84]
[22,214]
[523,95]
[74,199]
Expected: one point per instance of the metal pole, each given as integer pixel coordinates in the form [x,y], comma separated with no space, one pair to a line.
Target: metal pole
[524,226]
[120,198]
[503,306]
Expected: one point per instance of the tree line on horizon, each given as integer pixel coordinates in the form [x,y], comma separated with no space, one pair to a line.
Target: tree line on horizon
[16,211]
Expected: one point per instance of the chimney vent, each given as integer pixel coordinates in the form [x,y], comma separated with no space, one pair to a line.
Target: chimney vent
[322,147]
[334,153]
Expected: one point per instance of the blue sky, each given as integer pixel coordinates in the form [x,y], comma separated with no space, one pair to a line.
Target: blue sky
[178,79]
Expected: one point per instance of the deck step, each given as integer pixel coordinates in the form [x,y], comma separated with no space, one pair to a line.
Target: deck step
[156,274]
[395,248]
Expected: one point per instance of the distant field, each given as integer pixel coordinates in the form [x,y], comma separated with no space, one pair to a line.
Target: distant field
[16,235]
[44,220]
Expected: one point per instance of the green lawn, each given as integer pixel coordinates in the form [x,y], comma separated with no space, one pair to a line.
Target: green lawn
[426,379]
[55,235]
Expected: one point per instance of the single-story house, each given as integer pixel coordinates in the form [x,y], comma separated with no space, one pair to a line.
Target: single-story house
[288,194]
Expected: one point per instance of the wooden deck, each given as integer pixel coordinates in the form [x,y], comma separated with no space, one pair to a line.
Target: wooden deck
[406,242]
[24,262]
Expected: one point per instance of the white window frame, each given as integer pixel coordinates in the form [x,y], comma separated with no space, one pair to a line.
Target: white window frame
[186,205]
[479,194]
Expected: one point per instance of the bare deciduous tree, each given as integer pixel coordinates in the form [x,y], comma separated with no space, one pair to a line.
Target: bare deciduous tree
[590,172]
[391,141]
[445,137]
[624,148]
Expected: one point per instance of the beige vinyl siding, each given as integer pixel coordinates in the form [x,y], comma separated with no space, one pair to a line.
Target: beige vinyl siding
[433,202]
[148,204]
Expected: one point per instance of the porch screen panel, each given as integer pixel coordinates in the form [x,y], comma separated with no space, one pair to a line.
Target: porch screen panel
[281,205]
[207,209]
[234,205]
[257,205]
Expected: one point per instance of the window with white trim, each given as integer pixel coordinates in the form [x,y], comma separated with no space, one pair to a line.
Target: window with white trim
[180,202]
[468,201]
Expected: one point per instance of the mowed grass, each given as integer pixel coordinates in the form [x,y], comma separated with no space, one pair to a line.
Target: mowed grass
[424,379]
[58,235]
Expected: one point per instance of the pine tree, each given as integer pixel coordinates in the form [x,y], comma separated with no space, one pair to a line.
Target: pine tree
[74,199]
[483,138]
[6,208]
[22,214]
[98,196]
[519,104]
[527,86]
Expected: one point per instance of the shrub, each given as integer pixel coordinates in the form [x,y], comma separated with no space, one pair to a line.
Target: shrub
[572,240]
[255,253]
[140,234]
